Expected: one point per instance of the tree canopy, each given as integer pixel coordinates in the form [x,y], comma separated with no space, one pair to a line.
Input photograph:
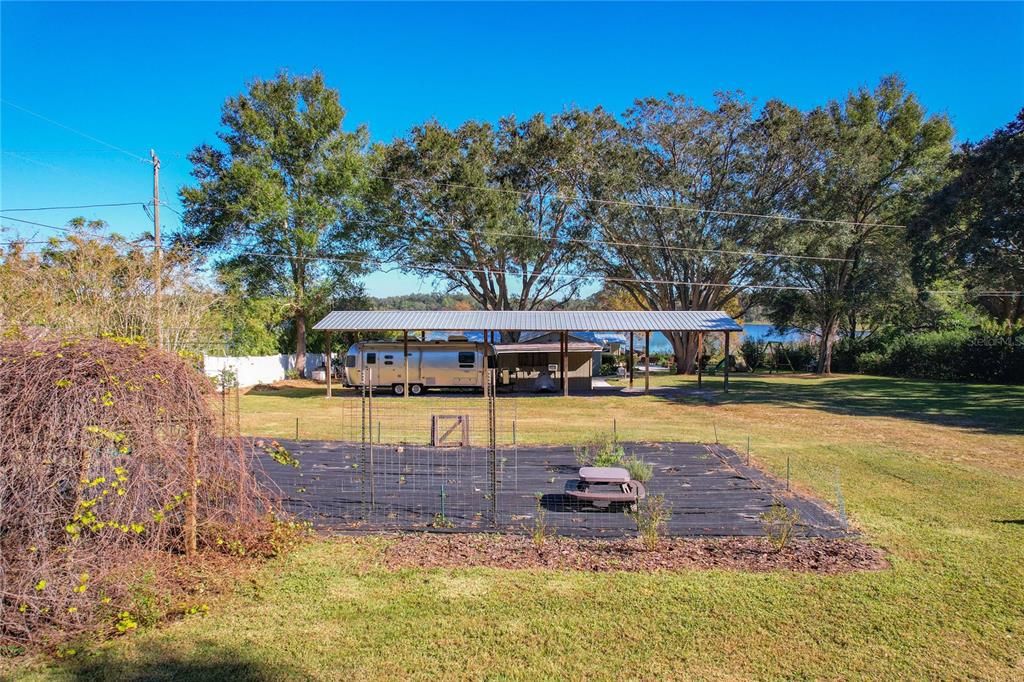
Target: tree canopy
[279,200]
[971,231]
[490,210]
[678,195]
[879,156]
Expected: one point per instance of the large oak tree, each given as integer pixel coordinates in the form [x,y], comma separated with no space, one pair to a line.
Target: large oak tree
[880,156]
[972,230]
[489,210]
[677,194]
[280,194]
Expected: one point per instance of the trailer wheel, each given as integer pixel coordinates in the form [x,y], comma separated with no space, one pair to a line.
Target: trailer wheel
[398,389]
[415,389]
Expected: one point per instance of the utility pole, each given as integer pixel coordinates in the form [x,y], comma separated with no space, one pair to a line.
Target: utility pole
[158,252]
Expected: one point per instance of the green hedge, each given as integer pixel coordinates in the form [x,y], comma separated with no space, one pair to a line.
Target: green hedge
[958,355]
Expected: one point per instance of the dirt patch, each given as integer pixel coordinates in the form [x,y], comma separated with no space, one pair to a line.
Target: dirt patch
[458,550]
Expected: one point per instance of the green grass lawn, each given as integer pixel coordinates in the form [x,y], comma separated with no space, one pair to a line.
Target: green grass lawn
[932,472]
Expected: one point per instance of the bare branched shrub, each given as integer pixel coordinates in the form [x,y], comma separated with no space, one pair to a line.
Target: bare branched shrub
[87,283]
[98,442]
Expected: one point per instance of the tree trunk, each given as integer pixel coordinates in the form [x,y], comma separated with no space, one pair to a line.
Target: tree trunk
[678,350]
[684,348]
[828,336]
[300,343]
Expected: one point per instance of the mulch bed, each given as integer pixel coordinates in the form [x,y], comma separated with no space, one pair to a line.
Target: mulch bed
[457,550]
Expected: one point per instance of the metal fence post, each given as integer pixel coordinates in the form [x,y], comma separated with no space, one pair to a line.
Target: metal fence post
[492,446]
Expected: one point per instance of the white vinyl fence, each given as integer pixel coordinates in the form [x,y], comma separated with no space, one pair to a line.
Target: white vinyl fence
[258,369]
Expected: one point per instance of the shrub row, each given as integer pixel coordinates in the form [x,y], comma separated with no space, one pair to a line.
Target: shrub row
[956,355]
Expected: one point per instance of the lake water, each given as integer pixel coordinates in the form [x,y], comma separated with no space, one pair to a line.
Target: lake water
[760,332]
[660,344]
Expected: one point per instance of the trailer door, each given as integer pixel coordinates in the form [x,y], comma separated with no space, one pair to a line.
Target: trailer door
[467,370]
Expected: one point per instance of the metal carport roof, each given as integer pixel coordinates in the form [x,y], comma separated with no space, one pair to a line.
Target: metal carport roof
[529,320]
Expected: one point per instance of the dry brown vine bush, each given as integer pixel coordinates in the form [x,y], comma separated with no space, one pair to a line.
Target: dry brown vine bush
[94,436]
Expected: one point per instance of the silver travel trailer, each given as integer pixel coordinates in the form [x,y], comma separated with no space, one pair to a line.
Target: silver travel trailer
[455,363]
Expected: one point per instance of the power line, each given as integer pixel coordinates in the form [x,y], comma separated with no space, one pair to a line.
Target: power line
[75,130]
[656,247]
[622,202]
[623,280]
[397,265]
[32,222]
[62,208]
[489,271]
[69,230]
[608,242]
[33,161]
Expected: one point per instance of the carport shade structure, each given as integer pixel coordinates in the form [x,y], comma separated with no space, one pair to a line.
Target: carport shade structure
[562,321]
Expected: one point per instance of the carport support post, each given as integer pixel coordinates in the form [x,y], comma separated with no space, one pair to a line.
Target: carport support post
[725,374]
[565,364]
[327,341]
[647,362]
[629,360]
[405,355]
[485,371]
[700,357]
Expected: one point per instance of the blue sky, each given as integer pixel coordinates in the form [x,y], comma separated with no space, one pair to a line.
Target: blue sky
[141,76]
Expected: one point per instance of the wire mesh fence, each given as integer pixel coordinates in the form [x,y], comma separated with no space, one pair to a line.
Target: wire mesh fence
[455,463]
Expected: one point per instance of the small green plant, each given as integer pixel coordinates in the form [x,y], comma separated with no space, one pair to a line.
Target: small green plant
[651,515]
[285,536]
[292,374]
[638,469]
[778,523]
[11,650]
[441,521]
[602,449]
[541,531]
[278,453]
[125,622]
[148,605]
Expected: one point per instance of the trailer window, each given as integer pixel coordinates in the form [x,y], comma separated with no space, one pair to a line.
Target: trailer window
[350,361]
[467,359]
[371,358]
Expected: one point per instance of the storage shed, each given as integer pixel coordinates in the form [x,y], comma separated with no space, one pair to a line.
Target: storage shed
[536,364]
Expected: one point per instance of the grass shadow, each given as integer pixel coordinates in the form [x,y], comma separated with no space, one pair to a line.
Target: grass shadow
[995,409]
[287,391]
[160,663]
